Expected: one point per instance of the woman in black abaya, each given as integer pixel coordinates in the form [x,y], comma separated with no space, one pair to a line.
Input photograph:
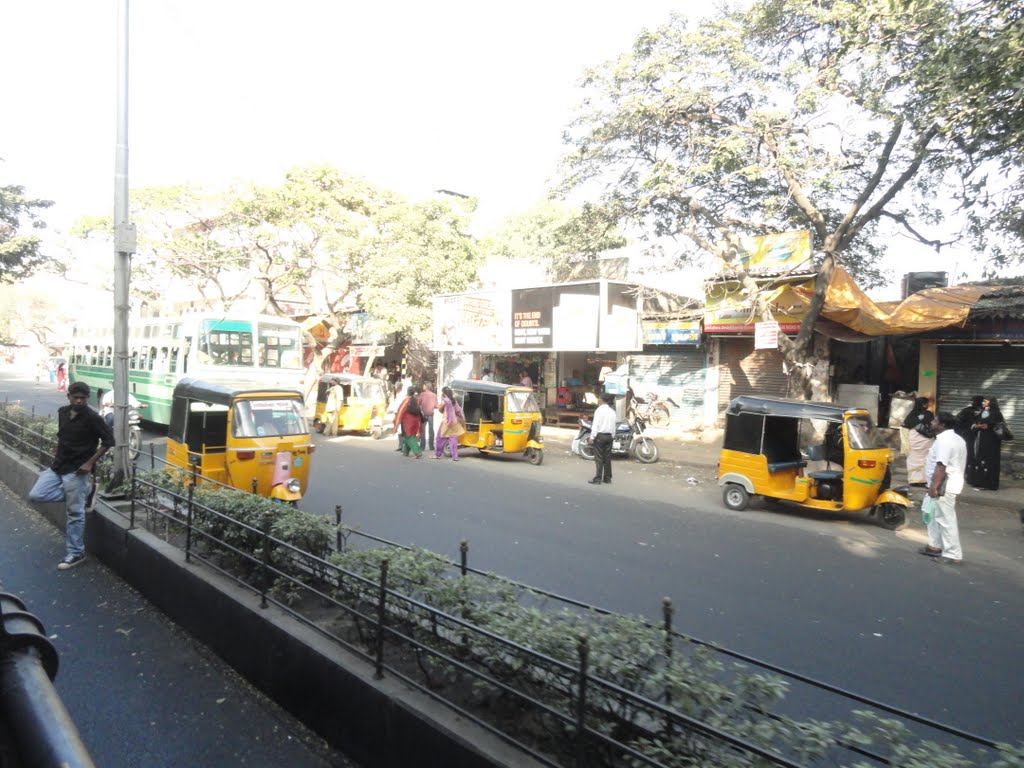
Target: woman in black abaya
[987,446]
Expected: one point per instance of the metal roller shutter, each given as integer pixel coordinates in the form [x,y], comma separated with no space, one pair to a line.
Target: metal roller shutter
[994,370]
[744,370]
[676,372]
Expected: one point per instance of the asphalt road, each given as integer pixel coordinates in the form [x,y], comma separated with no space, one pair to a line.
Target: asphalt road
[836,598]
[833,597]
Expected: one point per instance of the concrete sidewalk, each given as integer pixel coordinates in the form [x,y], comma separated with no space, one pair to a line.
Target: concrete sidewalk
[685,451]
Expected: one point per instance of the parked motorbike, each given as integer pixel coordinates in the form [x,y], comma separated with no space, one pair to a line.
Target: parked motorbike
[652,409]
[134,426]
[629,440]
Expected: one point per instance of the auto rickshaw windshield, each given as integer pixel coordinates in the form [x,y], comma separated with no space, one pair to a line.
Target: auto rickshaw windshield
[260,418]
[522,402]
[861,433]
[368,390]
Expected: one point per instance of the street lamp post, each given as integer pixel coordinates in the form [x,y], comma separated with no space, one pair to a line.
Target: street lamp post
[124,247]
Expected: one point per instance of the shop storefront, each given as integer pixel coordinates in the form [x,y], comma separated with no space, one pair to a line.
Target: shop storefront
[564,337]
[673,365]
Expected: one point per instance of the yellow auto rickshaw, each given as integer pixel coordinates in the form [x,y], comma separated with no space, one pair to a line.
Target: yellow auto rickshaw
[500,419]
[362,407]
[817,455]
[245,436]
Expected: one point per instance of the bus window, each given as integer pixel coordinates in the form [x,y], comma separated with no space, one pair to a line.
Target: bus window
[134,361]
[109,362]
[280,346]
[173,360]
[152,358]
[226,347]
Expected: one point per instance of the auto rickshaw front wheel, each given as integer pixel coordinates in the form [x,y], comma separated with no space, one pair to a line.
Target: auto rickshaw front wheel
[891,516]
[535,456]
[735,497]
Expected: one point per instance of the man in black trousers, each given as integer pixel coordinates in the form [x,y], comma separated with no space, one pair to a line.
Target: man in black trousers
[602,430]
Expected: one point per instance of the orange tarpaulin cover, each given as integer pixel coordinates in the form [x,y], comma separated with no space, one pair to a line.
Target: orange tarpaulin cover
[846,304]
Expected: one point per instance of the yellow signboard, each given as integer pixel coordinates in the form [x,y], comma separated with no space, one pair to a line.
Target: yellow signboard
[773,253]
[728,309]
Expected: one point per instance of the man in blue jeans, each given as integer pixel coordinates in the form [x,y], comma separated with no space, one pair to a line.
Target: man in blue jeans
[82,438]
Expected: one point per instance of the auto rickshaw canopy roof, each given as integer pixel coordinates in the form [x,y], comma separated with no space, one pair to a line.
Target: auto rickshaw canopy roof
[224,393]
[486,387]
[796,409]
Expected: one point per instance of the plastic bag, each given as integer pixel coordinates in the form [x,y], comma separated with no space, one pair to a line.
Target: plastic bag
[929,507]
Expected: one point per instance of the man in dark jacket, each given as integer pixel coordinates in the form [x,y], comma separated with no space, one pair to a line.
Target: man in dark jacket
[82,438]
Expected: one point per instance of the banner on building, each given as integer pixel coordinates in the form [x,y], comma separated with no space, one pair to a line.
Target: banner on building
[471,321]
[671,332]
[728,309]
[774,253]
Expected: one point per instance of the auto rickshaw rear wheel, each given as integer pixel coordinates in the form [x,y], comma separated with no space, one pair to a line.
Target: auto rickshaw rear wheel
[376,433]
[535,456]
[735,497]
[891,516]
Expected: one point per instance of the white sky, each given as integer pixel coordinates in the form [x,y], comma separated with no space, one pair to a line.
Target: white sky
[465,95]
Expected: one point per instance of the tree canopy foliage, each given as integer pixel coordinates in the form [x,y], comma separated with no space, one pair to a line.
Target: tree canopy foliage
[787,114]
[320,241]
[554,235]
[20,253]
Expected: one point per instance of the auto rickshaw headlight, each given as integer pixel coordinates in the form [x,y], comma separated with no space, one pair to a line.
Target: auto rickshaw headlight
[293,485]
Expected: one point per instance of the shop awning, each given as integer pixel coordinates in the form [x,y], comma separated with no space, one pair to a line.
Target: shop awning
[848,305]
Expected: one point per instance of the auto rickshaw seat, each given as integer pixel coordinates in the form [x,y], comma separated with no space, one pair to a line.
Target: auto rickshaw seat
[781,466]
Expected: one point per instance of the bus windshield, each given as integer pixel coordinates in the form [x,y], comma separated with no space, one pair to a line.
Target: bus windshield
[226,342]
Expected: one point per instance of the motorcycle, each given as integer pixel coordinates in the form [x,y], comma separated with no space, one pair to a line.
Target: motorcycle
[651,409]
[134,426]
[629,440]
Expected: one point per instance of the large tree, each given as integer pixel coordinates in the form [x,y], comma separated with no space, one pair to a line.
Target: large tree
[20,252]
[320,240]
[785,115]
[554,235]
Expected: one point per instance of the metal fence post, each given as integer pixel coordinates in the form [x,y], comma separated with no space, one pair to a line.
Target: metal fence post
[464,555]
[583,650]
[381,612]
[337,528]
[188,517]
[267,520]
[132,490]
[152,456]
[667,611]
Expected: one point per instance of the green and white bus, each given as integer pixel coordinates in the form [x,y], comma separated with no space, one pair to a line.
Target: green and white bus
[258,349]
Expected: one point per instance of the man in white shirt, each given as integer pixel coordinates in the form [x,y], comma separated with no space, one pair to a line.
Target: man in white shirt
[603,429]
[947,459]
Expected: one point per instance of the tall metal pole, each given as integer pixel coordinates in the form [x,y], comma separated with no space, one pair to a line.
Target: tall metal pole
[124,247]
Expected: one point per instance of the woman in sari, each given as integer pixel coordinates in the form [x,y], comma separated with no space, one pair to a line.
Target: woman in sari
[452,424]
[919,424]
[987,446]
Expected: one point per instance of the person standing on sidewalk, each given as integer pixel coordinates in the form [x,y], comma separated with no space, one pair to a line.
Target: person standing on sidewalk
[82,438]
[944,468]
[428,404]
[603,430]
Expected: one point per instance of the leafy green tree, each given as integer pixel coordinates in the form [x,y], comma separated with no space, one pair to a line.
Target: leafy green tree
[20,253]
[555,236]
[781,116]
[320,241]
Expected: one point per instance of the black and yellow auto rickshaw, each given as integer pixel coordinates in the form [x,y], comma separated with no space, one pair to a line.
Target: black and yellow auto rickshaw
[248,437]
[500,418]
[817,455]
[362,407]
